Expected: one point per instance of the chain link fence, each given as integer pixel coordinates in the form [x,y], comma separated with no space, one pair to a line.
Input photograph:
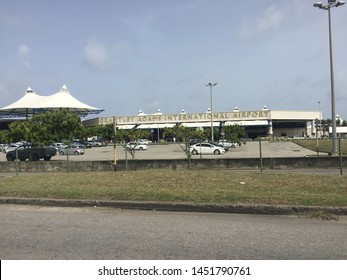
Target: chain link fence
[327,156]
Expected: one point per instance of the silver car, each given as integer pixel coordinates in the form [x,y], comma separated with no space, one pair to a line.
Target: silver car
[72,150]
[10,147]
[227,144]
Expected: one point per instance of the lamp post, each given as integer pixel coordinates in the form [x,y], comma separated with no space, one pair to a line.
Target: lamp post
[211,111]
[319,120]
[327,7]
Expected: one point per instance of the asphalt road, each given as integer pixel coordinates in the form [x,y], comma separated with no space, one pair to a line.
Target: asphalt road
[31,232]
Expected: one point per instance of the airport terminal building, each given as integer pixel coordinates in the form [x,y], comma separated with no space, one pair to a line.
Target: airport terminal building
[264,122]
[260,123]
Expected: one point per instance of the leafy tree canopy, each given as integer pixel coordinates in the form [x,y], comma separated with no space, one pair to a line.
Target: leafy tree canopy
[46,128]
[182,133]
[234,132]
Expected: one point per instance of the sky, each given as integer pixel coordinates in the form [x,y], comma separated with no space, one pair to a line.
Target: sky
[129,55]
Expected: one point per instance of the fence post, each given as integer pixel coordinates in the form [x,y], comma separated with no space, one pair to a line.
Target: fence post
[17,161]
[114,143]
[261,157]
[317,146]
[126,157]
[189,156]
[67,160]
[340,155]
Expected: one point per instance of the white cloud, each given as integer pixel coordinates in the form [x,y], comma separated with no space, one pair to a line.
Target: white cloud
[270,19]
[23,50]
[10,20]
[96,55]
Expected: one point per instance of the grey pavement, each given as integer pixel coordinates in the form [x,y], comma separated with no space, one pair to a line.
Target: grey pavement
[36,232]
[183,207]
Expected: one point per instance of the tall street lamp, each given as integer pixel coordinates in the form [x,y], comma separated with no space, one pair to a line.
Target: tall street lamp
[327,7]
[211,111]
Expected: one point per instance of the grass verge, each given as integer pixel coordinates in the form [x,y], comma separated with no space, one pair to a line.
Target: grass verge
[203,186]
[322,145]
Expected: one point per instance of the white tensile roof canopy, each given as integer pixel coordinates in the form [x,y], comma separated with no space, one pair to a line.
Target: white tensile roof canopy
[32,103]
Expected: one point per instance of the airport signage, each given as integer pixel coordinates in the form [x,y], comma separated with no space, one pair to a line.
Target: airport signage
[195,117]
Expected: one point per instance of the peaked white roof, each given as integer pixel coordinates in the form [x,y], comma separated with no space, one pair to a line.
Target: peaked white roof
[32,103]
[30,99]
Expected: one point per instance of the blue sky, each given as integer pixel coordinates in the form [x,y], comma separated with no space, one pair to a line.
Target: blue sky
[123,56]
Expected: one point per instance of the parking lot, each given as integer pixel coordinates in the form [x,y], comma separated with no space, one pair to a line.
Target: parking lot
[251,149]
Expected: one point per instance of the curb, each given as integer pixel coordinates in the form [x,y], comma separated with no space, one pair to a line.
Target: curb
[182,207]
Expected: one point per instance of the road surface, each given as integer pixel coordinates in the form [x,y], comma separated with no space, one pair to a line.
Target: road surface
[32,232]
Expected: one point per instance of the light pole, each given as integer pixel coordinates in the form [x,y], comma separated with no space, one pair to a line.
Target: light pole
[211,111]
[320,118]
[327,7]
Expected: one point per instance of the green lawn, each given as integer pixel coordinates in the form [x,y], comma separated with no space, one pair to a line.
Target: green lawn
[204,186]
[322,145]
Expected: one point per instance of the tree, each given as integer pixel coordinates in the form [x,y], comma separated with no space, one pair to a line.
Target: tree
[182,133]
[18,131]
[207,133]
[104,131]
[4,137]
[55,126]
[46,128]
[234,132]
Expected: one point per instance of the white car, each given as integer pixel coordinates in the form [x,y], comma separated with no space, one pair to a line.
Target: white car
[137,146]
[206,148]
[10,147]
[143,141]
[227,144]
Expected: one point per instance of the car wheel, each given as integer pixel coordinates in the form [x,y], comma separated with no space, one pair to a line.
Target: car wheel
[10,157]
[47,158]
[35,157]
[61,153]
[140,148]
[216,152]
[194,152]
[76,153]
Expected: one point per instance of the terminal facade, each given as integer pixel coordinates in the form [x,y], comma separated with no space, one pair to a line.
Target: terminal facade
[262,123]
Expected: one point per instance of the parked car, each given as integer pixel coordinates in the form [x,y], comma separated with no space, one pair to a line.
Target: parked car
[31,153]
[102,141]
[206,148]
[2,146]
[58,146]
[82,143]
[195,141]
[143,141]
[9,147]
[72,150]
[95,143]
[227,144]
[137,146]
